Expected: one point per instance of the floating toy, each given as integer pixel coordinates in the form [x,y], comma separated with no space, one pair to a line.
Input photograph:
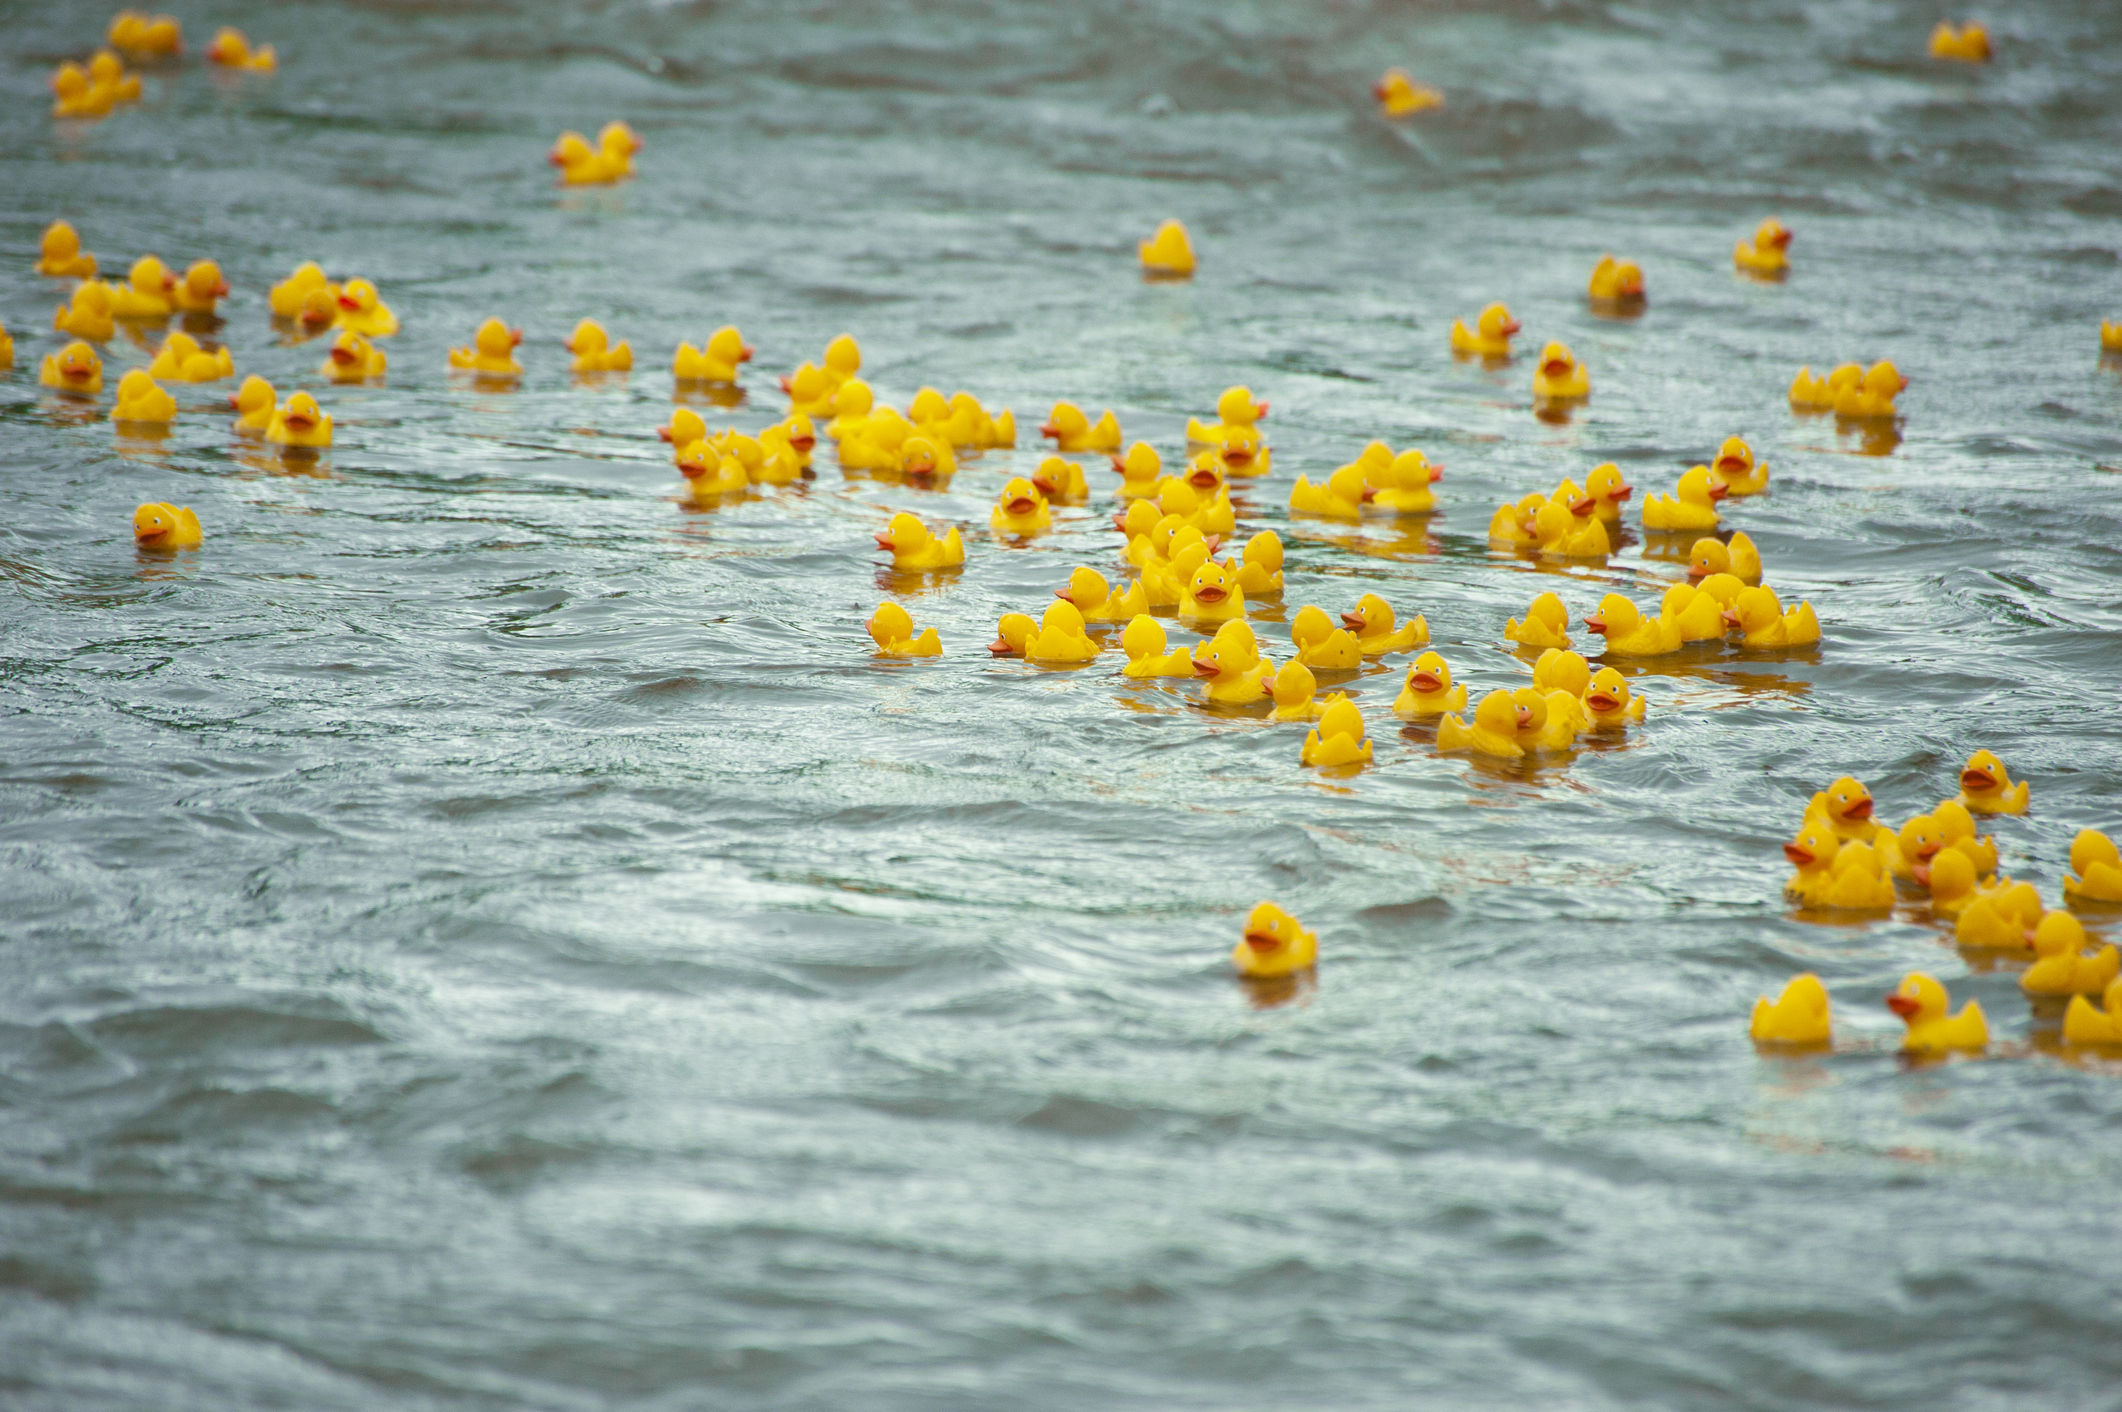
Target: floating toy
[1616,282]
[583,165]
[146,293]
[1811,394]
[1951,879]
[853,406]
[141,399]
[1372,623]
[73,96]
[1845,807]
[1958,826]
[1515,526]
[159,525]
[1260,569]
[1765,623]
[1020,510]
[1490,336]
[1608,703]
[1766,253]
[782,463]
[1168,252]
[1559,669]
[1546,721]
[7,348]
[2082,1024]
[1560,377]
[1497,720]
[1800,1015]
[137,32]
[1739,559]
[88,313]
[1917,842]
[1921,1002]
[802,437]
[352,358]
[717,360]
[617,143]
[1293,687]
[1342,496]
[363,311]
[915,550]
[1872,398]
[1606,489]
[1400,95]
[1322,646]
[1274,944]
[1969,44]
[1403,485]
[300,423]
[2110,332]
[1231,667]
[201,288]
[1691,506]
[290,297]
[59,254]
[1060,638]
[493,351]
[1098,601]
[683,429]
[1428,690]
[1697,616]
[1139,471]
[2002,919]
[892,628]
[181,359]
[841,360]
[1338,740]
[1212,595]
[74,369]
[1546,624]
[1072,431]
[2096,868]
[1832,873]
[1143,642]
[1735,470]
[1014,632]
[232,51]
[1628,633]
[1235,412]
[2061,966]
[595,352]
[709,474]
[1062,480]
[1986,787]
[1560,532]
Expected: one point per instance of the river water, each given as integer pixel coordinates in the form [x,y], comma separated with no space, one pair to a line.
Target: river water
[479,934]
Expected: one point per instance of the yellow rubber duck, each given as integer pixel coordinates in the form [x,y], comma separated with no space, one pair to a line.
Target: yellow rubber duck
[2110,330]
[1699,617]
[842,360]
[1337,742]
[361,309]
[300,423]
[781,463]
[1429,690]
[1711,556]
[1342,496]
[1098,601]
[1231,667]
[1969,44]
[146,293]
[352,358]
[74,369]
[1608,491]
[1812,855]
[1560,533]
[1767,253]
[1322,646]
[88,313]
[618,143]
[1616,282]
[1260,568]
[915,550]
[1918,842]
[1169,252]
[1212,595]
[287,297]
[1515,526]
[1763,622]
[1628,633]
[1987,788]
[1497,720]
[1951,881]
[201,288]
[1811,394]
[2061,966]
[1139,471]
[1855,882]
[141,399]
[137,32]
[891,627]
[106,73]
[1735,470]
[1490,336]
[1922,1003]
[595,352]
[1274,944]
[232,51]
[1846,808]
[2082,1024]
[1608,703]
[1293,689]
[683,429]
[492,353]
[1236,411]
[1072,431]
[1546,722]
[802,437]
[59,254]
[1800,1015]
[717,361]
[1060,639]
[1403,485]
[181,359]
[1014,632]
[1144,643]
[1559,669]
[73,96]
[583,165]
[929,459]
[1546,624]
[1691,506]
[1872,398]
[1398,94]
[2096,868]
[1958,826]
[1020,510]
[2001,919]
[853,406]
[1372,623]
[159,525]
[7,348]
[1560,377]
[1164,581]
[710,475]
[1062,480]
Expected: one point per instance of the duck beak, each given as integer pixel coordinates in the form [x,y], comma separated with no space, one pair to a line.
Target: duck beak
[1600,701]
[1859,810]
[1718,490]
[1261,941]
[745,354]
[1049,429]
[1206,669]
[1211,594]
[1525,718]
[1554,367]
[1783,239]
[1426,683]
[1204,478]
[346,302]
[884,541]
[786,384]
[1730,466]
[663,434]
[803,443]
[1596,624]
[1583,506]
[342,355]
[1513,326]
[1436,472]
[1620,492]
[1798,853]
[1975,779]
[1928,851]
[221,289]
[1731,619]
[515,336]
[1212,541]
[1045,486]
[1259,411]
[1368,495]
[1233,456]
[1001,648]
[1921,873]
[1354,622]
[1021,505]
[1901,1005]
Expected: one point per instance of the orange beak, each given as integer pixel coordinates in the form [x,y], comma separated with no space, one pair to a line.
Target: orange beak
[1204,478]
[1901,1005]
[348,302]
[1798,853]
[1525,718]
[515,336]
[803,443]
[1554,367]
[1859,810]
[1233,456]
[1512,327]
[1928,851]
[1730,466]
[300,421]
[342,355]
[1975,779]
[1045,485]
[1001,648]
[1783,239]
[744,355]
[1049,429]
[1718,490]
[1620,492]
[884,541]
[1597,624]
[1921,873]
[1600,701]
[1211,594]
[1583,505]
[1354,622]
[1426,683]
[663,433]
[1206,669]
[1261,941]
[1436,473]
[1368,495]
[1731,619]
[1021,505]
[1063,595]
[1697,571]
[1259,411]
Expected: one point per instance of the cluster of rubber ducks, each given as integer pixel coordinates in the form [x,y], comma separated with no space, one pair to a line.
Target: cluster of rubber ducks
[94,89]
[611,160]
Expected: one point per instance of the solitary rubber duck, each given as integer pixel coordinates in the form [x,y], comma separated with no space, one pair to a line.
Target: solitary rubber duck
[88,313]
[181,359]
[1398,94]
[1497,719]
[2084,1024]
[1546,624]
[200,289]
[1260,568]
[137,32]
[301,423]
[1872,398]
[1739,558]
[1691,506]
[2110,329]
[1429,690]
[231,50]
[583,165]
[1766,253]
[2061,966]
[352,358]
[141,399]
[1338,741]
[1560,377]
[1490,336]
[146,293]
[159,525]
[717,360]
[1371,621]
[1922,1003]
[493,351]
[1968,44]
[1019,510]
[1098,601]
[1735,470]
[1230,666]
[7,348]
[1341,496]
[915,550]
[595,352]
[1274,944]
[892,629]
[1763,622]
[1322,646]
[1608,703]
[1144,642]
[1801,1015]
[1060,640]
[59,254]
[74,369]
[1616,282]
[1987,788]
[1169,252]
[2096,868]
[1073,432]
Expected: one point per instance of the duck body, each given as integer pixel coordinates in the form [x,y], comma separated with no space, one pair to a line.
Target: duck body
[231,50]
[1691,506]
[1231,668]
[1546,624]
[1560,377]
[2001,919]
[159,525]
[1144,642]
[1060,640]
[60,256]
[492,353]
[1139,471]
[141,399]
[1406,485]
[1490,336]
[2096,868]
[287,298]
[1169,252]
[1871,398]
[1968,45]
[145,295]
[1616,282]
[2083,1024]
[352,358]
[1341,496]
[1338,741]
[1494,730]
[74,370]
[1320,645]
[892,629]
[181,359]
[1767,253]
[595,352]
[709,474]
[1293,687]
[1098,601]
[915,550]
[88,313]
[1739,559]
[1764,623]
[1630,634]
[1260,568]
[1987,788]
[254,404]
[1922,1004]
[1957,826]
[360,308]
[1801,1015]
[201,288]
[300,423]
[1398,94]
[2061,965]
[717,361]
[1274,944]
[1697,616]
[1071,431]
[1429,690]
[1372,623]
[580,164]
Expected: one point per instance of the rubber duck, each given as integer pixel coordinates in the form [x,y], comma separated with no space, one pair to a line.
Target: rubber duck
[1235,412]
[201,288]
[2082,1024]
[915,550]
[1490,336]
[286,297]
[1208,513]
[1918,842]
[1139,471]
[2001,919]
[930,413]
[1293,689]
[1691,506]
[802,437]
[852,406]
[1608,703]
[1986,787]
[1100,602]
[1062,480]
[88,313]
[1546,624]
[1559,669]
[617,143]
[1628,633]
[2110,330]
[746,451]
[1811,394]
[363,311]
[1560,377]
[1429,690]
[842,360]
[583,165]
[1969,44]
[1060,639]
[141,399]
[1958,826]
[1951,881]
[300,423]
[1616,281]
[1812,855]
[137,32]
[1398,94]
[1699,617]
[2060,966]
[1337,742]
[1072,431]
[1800,1015]
[891,627]
[1322,646]
[107,75]
[232,51]
[1514,526]
[181,359]
[160,525]
[1607,490]
[146,292]
[7,348]
[2096,868]
[1832,873]
[781,465]
[1559,532]
[1168,252]
[1140,524]
[1342,496]
[1922,1003]
[1212,594]
[1846,807]
[1372,623]
[1164,581]
[709,474]
[1872,399]
[1764,622]
[1494,731]
[1735,470]
[717,360]
[73,369]
[1711,556]
[1260,568]
[1766,253]
[1274,944]
[683,429]
[352,358]
[1546,723]
[1403,485]
[594,352]
[1231,666]
[492,352]
[1144,643]
[1020,510]
[1014,632]
[73,96]
[59,254]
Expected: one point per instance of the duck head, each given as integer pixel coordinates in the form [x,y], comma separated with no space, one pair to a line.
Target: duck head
[684,428]
[1204,474]
[203,281]
[1141,463]
[1211,583]
[78,364]
[1848,801]
[1547,608]
[1372,615]
[1918,999]
[1019,498]
[1264,552]
[1231,652]
[854,399]
[1628,279]
[153,524]
[179,345]
[1607,693]
[807,384]
[358,296]
[1560,669]
[319,307]
[1013,632]
[1310,627]
[1269,930]
[1429,676]
[727,345]
[1062,617]
[1699,488]
[1412,470]
[1294,684]
[588,338]
[801,434]
[904,534]
[1237,408]
[496,339]
[151,277]
[1143,637]
[1755,608]
[349,350]
[1617,617]
[1772,234]
[1950,875]
[2059,934]
[1530,706]
[2088,849]
[1141,518]
[843,356]
[69,82]
[1556,360]
[1920,840]
[1086,588]
[255,393]
[1496,322]
[1052,477]
[1982,775]
[1813,849]
[1497,713]
[1065,420]
[928,407]
[889,624]
[1241,447]
[616,139]
[1883,379]
[1347,484]
[1709,556]
[1605,483]
[61,242]
[301,413]
[1340,718]
[1734,458]
[572,149]
[1395,81]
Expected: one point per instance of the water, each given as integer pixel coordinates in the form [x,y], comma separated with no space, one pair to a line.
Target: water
[479,934]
